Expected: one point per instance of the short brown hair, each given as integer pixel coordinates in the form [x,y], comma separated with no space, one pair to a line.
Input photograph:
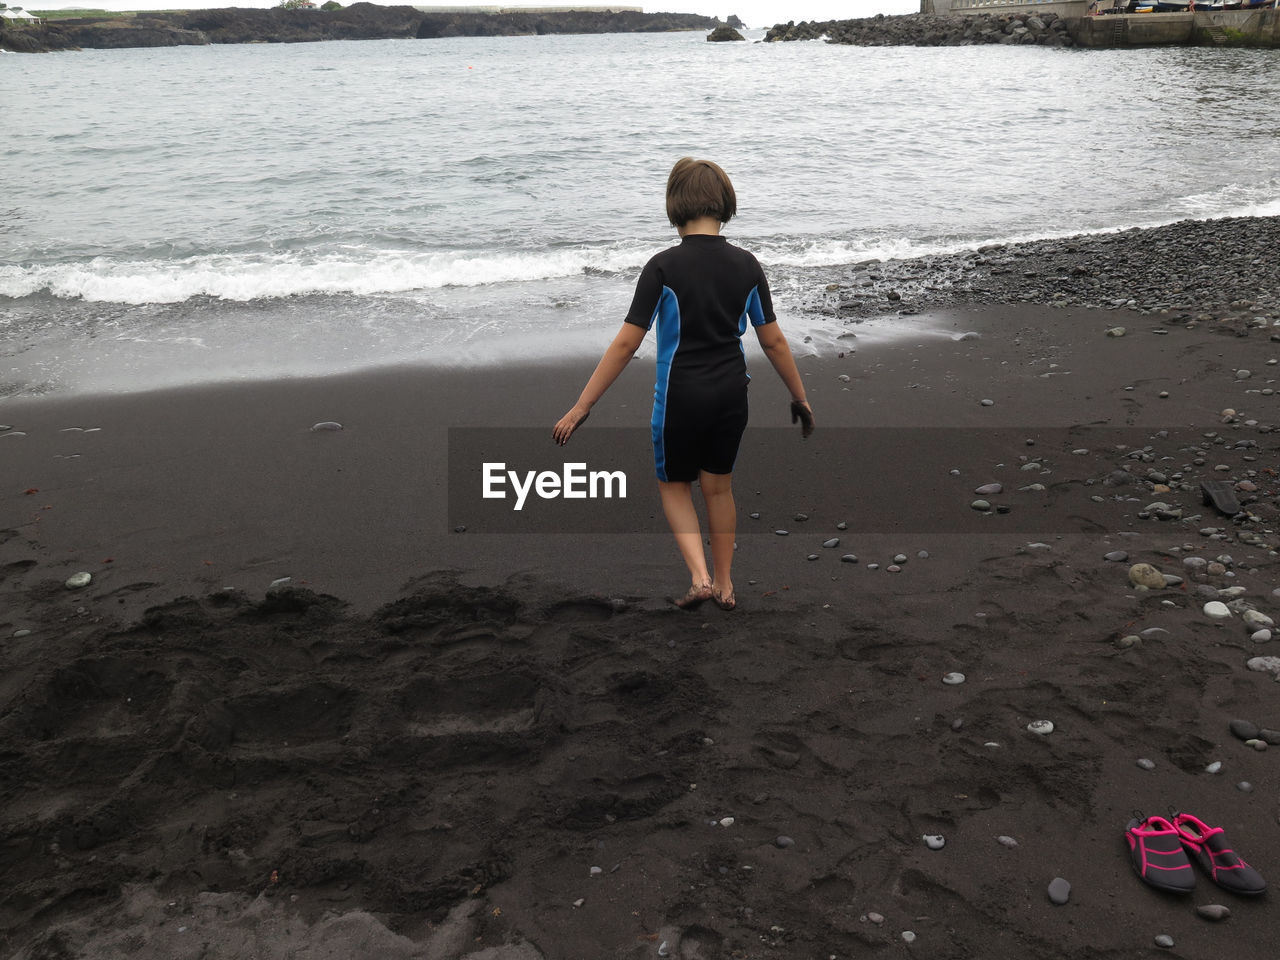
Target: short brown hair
[699,188]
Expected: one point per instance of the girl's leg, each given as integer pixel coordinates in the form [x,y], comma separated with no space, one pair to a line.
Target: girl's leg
[677,504]
[722,518]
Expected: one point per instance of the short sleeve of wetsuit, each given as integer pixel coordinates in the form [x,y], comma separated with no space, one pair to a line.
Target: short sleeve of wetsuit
[760,303]
[644,305]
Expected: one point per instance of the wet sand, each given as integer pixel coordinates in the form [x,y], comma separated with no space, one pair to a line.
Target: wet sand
[422,743]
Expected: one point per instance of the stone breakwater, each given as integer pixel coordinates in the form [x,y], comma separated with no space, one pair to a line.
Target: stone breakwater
[924,30]
[1193,270]
[360,21]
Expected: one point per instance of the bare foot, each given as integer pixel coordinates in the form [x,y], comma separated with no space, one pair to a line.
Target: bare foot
[698,593]
[724,599]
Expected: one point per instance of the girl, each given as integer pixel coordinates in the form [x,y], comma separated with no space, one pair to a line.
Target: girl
[700,296]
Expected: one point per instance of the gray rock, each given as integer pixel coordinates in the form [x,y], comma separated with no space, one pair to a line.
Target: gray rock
[1270,736]
[1164,940]
[783,842]
[981,505]
[1217,610]
[1243,729]
[1260,636]
[953,678]
[1006,841]
[1244,786]
[812,556]
[1145,575]
[1059,891]
[1215,767]
[1147,764]
[1269,665]
[78,580]
[1116,556]
[1213,911]
[781,533]
[1041,727]
[849,558]
[934,841]
[832,543]
[1154,633]
[900,558]
[325,426]
[989,489]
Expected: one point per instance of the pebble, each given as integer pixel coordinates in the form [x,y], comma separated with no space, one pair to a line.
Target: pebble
[989,489]
[900,558]
[1042,727]
[24,632]
[812,556]
[980,505]
[1213,911]
[1215,767]
[1217,610]
[1243,374]
[726,821]
[875,917]
[783,842]
[1005,841]
[1244,786]
[324,425]
[908,936]
[849,558]
[1145,575]
[1124,643]
[781,533]
[894,568]
[1257,621]
[1256,744]
[934,841]
[579,902]
[1195,564]
[988,403]
[1147,764]
[953,678]
[664,949]
[596,871]
[1270,736]
[832,543]
[922,555]
[1116,332]
[278,582]
[1244,729]
[1164,940]
[842,525]
[78,580]
[1059,891]
[1116,556]
[1264,664]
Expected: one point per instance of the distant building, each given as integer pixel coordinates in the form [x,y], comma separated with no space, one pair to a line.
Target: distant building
[954,8]
[16,13]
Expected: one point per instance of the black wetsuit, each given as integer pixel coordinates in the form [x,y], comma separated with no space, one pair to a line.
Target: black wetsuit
[700,295]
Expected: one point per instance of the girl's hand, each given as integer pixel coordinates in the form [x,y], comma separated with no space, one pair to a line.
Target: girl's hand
[570,422]
[802,412]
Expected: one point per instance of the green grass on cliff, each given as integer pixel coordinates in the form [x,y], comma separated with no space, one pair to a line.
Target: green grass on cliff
[76,14]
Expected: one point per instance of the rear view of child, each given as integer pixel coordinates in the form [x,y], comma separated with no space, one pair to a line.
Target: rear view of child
[699,297]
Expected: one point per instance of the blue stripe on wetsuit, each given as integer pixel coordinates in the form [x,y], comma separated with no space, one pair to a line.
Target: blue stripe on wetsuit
[667,317]
[754,312]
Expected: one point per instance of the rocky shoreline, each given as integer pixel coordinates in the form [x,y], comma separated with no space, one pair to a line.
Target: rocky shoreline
[359,21]
[1190,271]
[925,30]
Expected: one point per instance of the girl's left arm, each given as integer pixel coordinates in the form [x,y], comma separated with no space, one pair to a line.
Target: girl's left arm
[616,357]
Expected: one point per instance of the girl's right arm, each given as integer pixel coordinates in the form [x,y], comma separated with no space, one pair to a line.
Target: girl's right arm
[616,356]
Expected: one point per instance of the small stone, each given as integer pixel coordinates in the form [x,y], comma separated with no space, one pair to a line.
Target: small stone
[953,678]
[1215,767]
[894,568]
[754,516]
[664,949]
[1164,940]
[842,525]
[1264,664]
[1243,729]
[596,871]
[1147,764]
[279,582]
[726,821]
[1041,727]
[1116,332]
[1116,556]
[849,558]
[922,554]
[1006,841]
[934,841]
[981,505]
[18,634]
[1059,891]
[1244,786]
[988,403]
[782,842]
[579,902]
[989,489]
[1124,643]
[811,557]
[832,543]
[326,425]
[78,580]
[800,517]
[1255,620]
[900,558]
[874,917]
[1256,744]
[1145,575]
[781,533]
[1243,374]
[1217,610]
[908,936]
[1213,911]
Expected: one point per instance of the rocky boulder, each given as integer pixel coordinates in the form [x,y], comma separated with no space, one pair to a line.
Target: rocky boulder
[724,35]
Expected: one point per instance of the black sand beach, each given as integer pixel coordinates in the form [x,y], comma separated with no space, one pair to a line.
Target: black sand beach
[424,742]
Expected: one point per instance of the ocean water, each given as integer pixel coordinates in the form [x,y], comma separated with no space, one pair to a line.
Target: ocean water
[192,213]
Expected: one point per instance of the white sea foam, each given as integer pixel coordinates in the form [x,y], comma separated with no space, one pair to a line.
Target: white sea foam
[245,277]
